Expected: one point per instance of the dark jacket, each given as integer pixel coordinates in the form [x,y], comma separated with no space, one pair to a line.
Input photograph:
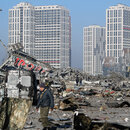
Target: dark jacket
[46,99]
[77,79]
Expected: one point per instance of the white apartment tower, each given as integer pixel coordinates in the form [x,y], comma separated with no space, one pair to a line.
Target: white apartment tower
[117,31]
[93,49]
[21,26]
[44,31]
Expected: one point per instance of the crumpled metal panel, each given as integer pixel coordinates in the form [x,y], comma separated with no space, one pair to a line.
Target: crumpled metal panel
[1,92]
[13,93]
[19,114]
[13,113]
[12,80]
[26,81]
[18,84]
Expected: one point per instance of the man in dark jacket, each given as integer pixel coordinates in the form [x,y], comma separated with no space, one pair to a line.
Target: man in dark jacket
[77,80]
[45,102]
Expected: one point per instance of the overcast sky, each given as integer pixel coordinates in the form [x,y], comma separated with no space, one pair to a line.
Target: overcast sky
[83,13]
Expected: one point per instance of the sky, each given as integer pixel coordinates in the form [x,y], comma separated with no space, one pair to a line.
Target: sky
[83,13]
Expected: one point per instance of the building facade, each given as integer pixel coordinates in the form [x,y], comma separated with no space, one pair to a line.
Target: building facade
[117,31]
[93,49]
[44,31]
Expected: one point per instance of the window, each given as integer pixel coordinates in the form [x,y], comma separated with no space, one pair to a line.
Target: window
[119,13]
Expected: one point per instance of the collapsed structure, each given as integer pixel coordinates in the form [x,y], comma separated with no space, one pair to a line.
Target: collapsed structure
[97,102]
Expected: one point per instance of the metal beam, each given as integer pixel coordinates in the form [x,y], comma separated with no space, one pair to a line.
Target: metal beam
[4,45]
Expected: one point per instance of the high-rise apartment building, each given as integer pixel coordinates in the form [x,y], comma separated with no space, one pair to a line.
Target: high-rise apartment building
[93,49]
[44,31]
[21,26]
[117,31]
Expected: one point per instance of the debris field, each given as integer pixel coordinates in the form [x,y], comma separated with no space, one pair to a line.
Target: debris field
[97,102]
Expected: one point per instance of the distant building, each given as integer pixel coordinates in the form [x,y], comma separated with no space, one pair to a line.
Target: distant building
[109,65]
[93,49]
[117,31]
[44,31]
[126,56]
[122,67]
[125,62]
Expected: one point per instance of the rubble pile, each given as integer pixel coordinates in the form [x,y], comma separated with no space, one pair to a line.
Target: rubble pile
[98,103]
[82,101]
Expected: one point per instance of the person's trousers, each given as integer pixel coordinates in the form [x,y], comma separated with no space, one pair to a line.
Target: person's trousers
[44,116]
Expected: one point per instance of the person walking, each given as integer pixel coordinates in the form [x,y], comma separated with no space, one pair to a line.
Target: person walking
[80,81]
[45,102]
[77,80]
